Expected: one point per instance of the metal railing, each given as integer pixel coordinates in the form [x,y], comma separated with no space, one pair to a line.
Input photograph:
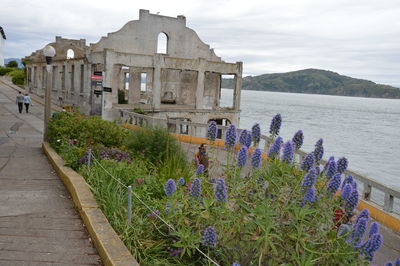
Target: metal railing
[197,129]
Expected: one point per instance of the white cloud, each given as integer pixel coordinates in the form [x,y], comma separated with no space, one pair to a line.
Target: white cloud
[355,38]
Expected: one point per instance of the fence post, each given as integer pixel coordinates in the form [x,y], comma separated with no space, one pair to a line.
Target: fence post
[129,204]
[89,158]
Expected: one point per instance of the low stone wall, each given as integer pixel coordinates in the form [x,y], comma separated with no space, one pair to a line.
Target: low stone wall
[110,247]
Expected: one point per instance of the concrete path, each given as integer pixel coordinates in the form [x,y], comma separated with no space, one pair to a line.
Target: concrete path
[38,222]
[389,251]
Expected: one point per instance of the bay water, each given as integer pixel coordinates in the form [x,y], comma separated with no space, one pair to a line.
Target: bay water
[364,130]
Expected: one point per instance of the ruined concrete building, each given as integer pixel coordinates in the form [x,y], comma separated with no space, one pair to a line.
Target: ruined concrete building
[159,64]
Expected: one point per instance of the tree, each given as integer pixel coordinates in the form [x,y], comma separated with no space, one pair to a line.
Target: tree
[12,63]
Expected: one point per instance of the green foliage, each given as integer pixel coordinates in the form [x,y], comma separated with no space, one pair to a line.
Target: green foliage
[86,130]
[316,81]
[156,145]
[18,76]
[12,63]
[139,111]
[121,97]
[5,70]
[262,221]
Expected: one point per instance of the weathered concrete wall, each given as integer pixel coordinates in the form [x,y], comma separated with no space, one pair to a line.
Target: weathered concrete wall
[140,37]
[186,76]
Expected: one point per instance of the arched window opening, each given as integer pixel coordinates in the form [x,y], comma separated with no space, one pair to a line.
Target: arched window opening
[70,54]
[162,43]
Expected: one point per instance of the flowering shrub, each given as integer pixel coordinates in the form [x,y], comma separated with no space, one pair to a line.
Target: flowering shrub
[212,130]
[288,152]
[276,214]
[242,156]
[275,148]
[230,137]
[275,125]
[298,139]
[256,133]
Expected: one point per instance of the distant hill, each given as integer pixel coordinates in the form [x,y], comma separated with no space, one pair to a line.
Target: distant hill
[6,60]
[316,81]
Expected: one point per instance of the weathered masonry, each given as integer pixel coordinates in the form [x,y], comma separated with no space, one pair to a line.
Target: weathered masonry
[155,64]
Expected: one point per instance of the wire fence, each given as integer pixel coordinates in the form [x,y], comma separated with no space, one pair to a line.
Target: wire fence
[91,158]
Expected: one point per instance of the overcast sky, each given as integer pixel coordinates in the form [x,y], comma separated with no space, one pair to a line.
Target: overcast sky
[358,38]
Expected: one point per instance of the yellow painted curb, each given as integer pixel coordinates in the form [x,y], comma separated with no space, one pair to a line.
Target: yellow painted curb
[111,249]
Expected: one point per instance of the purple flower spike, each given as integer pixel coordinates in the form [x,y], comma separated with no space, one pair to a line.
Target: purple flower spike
[210,236]
[235,264]
[242,156]
[309,179]
[200,169]
[342,165]
[346,191]
[334,184]
[220,190]
[298,139]
[369,247]
[170,187]
[363,214]
[167,207]
[256,158]
[181,181]
[373,229]
[389,263]
[348,180]
[351,202]
[358,232]
[245,138]
[212,130]
[275,125]
[308,162]
[195,191]
[288,152]
[330,167]
[275,148]
[309,196]
[397,263]
[319,150]
[230,137]
[256,133]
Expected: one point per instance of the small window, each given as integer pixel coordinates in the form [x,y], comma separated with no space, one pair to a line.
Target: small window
[70,54]
[143,82]
[162,43]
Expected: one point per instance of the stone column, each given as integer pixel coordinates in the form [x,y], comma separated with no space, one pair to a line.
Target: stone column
[134,86]
[238,87]
[157,63]
[200,84]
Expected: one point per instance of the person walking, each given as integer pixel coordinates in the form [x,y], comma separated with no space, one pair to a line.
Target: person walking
[27,102]
[20,102]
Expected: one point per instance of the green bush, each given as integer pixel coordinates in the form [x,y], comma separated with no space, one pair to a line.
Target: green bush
[155,144]
[12,63]
[5,70]
[121,97]
[86,130]
[18,76]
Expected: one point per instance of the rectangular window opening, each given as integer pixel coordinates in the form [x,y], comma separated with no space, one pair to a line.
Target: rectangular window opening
[227,91]
[82,78]
[72,77]
[143,81]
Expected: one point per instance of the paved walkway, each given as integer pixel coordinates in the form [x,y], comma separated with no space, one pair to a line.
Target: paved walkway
[390,249]
[38,222]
